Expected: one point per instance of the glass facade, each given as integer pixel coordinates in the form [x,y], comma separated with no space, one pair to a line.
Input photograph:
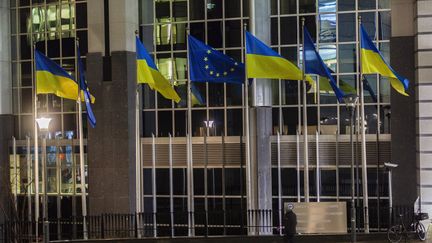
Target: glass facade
[52,26]
[332,24]
[219,167]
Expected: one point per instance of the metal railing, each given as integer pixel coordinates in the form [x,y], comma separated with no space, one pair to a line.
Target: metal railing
[172,224]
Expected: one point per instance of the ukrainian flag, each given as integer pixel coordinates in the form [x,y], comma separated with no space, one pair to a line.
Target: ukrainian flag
[147,72]
[263,62]
[373,62]
[52,79]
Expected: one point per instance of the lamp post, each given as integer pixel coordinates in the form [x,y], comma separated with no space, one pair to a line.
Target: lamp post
[43,124]
[389,167]
[351,103]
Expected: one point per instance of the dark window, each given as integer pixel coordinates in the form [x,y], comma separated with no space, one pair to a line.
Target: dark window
[197,8]
[216,94]
[233,181]
[214,181]
[328,182]
[288,6]
[234,122]
[162,181]
[346,5]
[179,182]
[288,30]
[214,9]
[366,4]
[233,32]
[81,15]
[180,123]
[218,126]
[147,182]
[164,123]
[215,34]
[290,120]
[307,6]
[149,123]
[198,175]
[232,8]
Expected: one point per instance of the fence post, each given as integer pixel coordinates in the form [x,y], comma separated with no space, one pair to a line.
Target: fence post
[102,230]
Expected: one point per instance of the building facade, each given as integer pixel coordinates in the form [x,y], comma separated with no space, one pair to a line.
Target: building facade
[209,178]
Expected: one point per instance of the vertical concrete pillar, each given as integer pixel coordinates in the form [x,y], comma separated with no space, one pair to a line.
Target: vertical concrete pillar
[403,114]
[423,90]
[6,118]
[261,124]
[112,156]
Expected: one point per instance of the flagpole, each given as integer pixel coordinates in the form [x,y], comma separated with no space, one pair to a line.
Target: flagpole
[363,141]
[191,231]
[36,147]
[305,131]
[247,131]
[81,149]
[138,189]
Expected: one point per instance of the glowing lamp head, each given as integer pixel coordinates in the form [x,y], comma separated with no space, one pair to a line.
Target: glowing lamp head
[43,123]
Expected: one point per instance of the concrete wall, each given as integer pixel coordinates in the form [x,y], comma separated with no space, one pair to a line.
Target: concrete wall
[6,119]
[111,145]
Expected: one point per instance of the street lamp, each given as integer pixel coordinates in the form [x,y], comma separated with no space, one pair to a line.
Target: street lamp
[43,124]
[351,103]
[389,167]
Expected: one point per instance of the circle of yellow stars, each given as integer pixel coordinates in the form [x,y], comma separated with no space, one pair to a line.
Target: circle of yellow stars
[217,74]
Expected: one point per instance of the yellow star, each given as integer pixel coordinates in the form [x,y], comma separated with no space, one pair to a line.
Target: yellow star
[205,59]
[211,72]
[208,51]
[225,73]
[232,69]
[217,74]
[206,66]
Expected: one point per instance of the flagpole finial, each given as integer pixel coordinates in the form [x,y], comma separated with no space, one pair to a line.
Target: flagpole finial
[360,18]
[136,32]
[303,19]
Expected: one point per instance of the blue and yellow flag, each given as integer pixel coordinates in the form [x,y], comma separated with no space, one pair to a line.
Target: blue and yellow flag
[315,65]
[263,62]
[85,90]
[196,96]
[373,62]
[147,72]
[209,65]
[52,79]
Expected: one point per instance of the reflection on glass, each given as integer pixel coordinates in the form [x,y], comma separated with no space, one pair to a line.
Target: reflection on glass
[214,9]
[384,24]
[384,87]
[384,4]
[179,10]
[347,23]
[51,180]
[368,22]
[162,9]
[328,120]
[198,118]
[215,123]
[385,119]
[371,119]
[327,28]
[370,88]
[234,94]
[289,92]
[290,120]
[181,89]
[328,55]
[347,58]
[327,5]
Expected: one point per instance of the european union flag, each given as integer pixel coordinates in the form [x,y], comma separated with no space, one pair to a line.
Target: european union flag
[209,65]
[83,86]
